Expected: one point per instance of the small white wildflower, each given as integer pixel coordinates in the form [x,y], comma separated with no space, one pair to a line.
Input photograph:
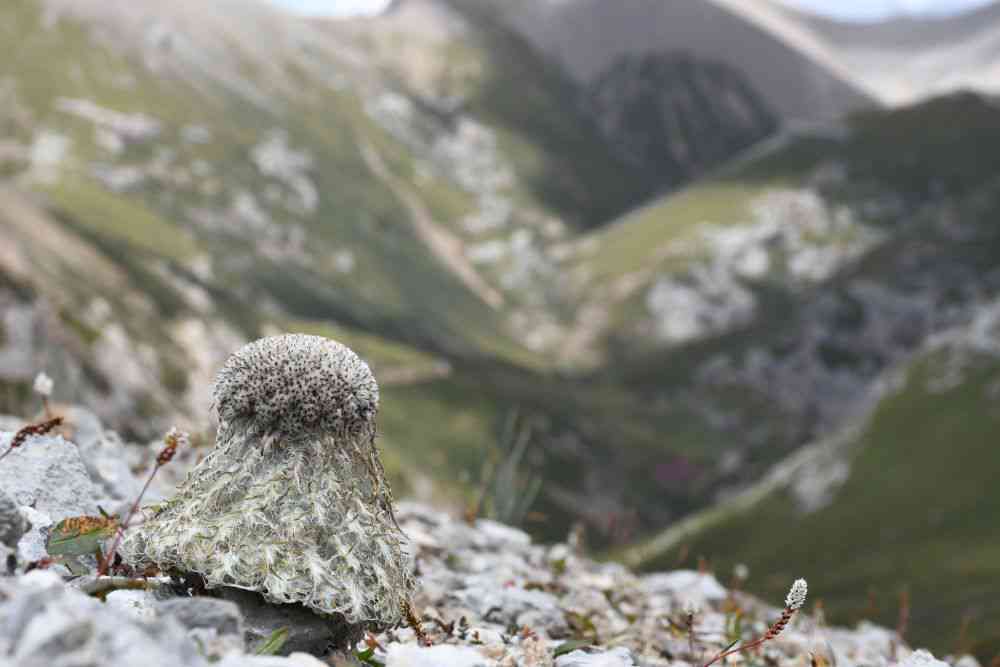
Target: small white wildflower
[43,385]
[181,438]
[741,571]
[797,595]
[691,608]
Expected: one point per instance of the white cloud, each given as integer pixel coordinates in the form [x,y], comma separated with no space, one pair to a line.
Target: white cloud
[334,7]
[875,9]
[851,9]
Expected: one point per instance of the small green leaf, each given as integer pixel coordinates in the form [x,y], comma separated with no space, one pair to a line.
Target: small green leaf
[367,657]
[80,535]
[74,566]
[570,646]
[273,644]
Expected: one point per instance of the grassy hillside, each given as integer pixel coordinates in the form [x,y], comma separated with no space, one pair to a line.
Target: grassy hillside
[439,211]
[916,508]
[916,513]
[159,215]
[570,168]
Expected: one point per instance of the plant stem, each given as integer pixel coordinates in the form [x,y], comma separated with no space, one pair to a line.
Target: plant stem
[771,633]
[109,557]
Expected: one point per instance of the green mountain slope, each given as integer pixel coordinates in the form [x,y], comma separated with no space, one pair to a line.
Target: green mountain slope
[427,188]
[169,195]
[916,513]
[896,353]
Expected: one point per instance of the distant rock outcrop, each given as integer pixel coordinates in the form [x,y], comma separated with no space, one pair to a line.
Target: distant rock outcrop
[677,114]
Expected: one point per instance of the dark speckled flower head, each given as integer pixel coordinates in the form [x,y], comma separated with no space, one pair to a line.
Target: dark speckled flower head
[294,385]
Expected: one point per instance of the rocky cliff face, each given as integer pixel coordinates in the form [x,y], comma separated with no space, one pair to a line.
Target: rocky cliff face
[677,115]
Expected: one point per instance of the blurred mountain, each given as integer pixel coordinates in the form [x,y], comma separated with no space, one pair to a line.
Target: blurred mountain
[904,60]
[887,366]
[677,115]
[808,68]
[175,185]
[785,62]
[635,255]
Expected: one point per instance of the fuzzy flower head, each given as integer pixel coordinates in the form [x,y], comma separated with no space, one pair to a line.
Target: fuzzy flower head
[797,595]
[296,385]
[292,502]
[174,440]
[177,438]
[43,385]
[690,608]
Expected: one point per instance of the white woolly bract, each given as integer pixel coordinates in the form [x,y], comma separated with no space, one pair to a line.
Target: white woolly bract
[797,595]
[43,385]
[309,522]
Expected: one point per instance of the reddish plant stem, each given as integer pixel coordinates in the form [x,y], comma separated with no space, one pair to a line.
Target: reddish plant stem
[109,557]
[771,633]
[690,628]
[904,613]
[173,440]
[414,622]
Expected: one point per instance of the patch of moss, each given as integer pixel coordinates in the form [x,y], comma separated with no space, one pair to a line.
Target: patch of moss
[122,219]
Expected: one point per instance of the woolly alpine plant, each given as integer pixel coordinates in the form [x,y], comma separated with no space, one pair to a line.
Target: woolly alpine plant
[292,502]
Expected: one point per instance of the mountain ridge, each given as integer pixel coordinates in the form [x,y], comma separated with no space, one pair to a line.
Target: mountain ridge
[422,187]
[587,37]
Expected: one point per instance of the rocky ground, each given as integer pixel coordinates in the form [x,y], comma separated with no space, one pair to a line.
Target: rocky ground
[487,595]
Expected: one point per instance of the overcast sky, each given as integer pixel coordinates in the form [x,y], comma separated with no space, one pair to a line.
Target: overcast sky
[856,9]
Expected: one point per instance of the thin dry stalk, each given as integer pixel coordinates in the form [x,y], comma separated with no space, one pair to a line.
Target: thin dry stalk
[414,622]
[172,440]
[903,625]
[964,643]
[682,554]
[689,621]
